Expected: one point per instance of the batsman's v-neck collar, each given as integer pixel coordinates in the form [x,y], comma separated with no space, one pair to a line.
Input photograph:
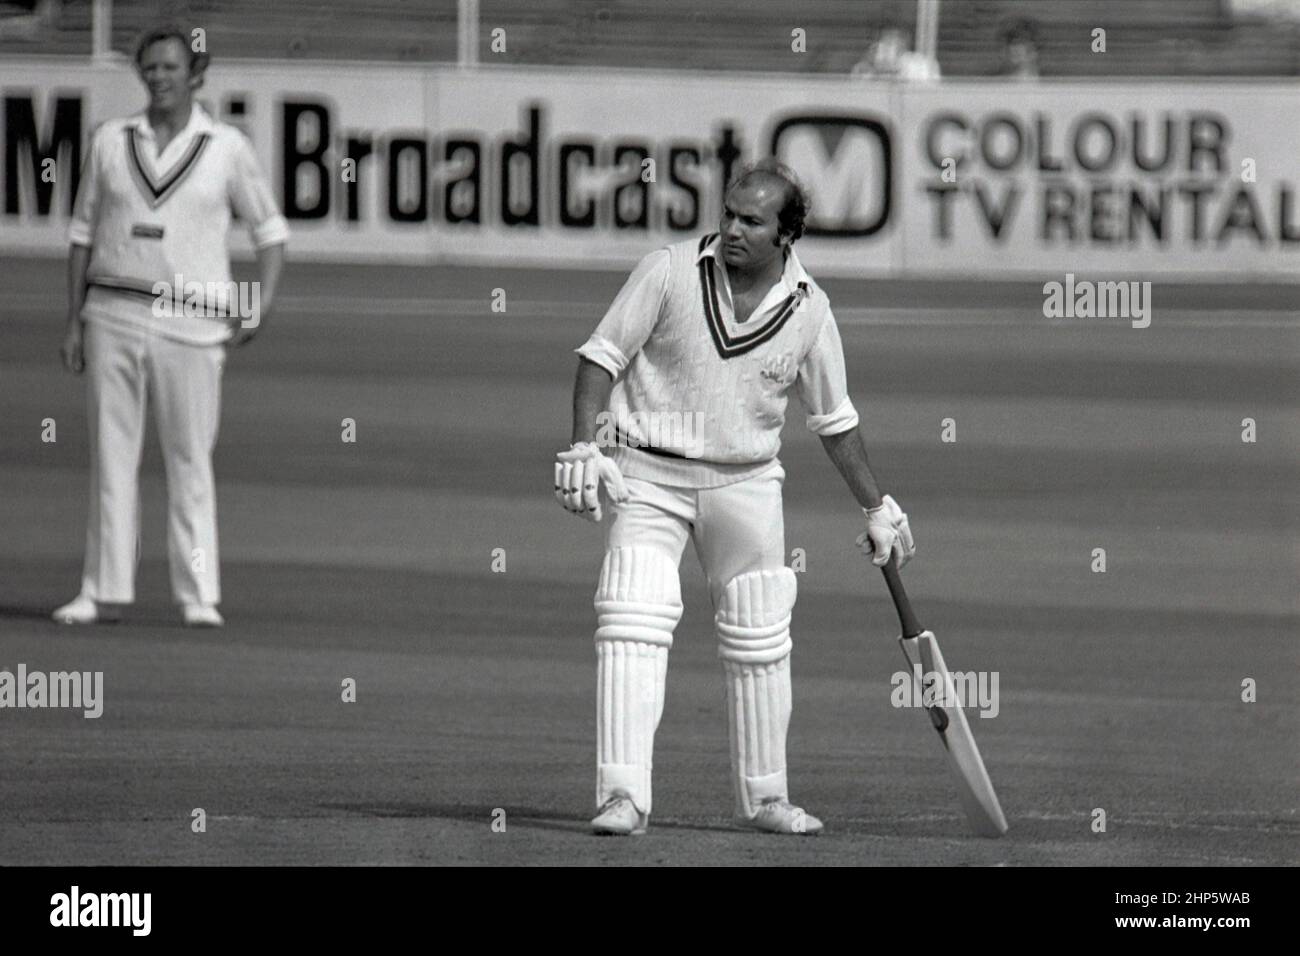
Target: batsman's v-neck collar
[728,337]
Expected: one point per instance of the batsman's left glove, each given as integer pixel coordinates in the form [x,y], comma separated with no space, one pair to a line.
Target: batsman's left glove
[887,531]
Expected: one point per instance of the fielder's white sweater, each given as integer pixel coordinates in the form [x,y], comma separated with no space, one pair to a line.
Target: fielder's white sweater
[150,216]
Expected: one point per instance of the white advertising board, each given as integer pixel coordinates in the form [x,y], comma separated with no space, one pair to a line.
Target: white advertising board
[596,167]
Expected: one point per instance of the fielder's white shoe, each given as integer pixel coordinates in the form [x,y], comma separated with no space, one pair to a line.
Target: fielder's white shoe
[83,610]
[202,615]
[781,816]
[619,817]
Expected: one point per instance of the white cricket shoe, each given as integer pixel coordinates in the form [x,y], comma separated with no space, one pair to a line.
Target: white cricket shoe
[781,816]
[84,610]
[619,817]
[202,615]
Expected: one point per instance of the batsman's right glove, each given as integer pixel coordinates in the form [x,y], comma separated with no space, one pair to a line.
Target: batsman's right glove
[579,473]
[887,531]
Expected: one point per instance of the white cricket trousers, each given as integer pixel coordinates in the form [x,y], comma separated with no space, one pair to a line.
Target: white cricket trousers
[124,368]
[736,528]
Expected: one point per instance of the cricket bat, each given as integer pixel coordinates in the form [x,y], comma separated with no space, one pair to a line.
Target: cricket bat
[978,798]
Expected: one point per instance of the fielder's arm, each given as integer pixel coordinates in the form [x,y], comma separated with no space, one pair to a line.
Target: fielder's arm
[78,263]
[849,453]
[591,390]
[81,235]
[71,349]
[270,263]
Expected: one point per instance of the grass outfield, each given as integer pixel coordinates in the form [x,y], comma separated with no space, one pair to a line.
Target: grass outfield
[475,690]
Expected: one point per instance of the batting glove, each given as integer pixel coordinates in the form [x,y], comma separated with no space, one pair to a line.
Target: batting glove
[578,475]
[887,532]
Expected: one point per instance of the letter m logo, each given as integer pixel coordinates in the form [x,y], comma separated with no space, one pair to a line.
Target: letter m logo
[26,150]
[847,162]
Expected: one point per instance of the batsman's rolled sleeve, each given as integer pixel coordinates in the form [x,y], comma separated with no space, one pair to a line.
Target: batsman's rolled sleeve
[631,317]
[822,384]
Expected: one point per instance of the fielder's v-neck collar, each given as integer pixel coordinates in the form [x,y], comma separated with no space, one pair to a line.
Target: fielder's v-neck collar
[158,183]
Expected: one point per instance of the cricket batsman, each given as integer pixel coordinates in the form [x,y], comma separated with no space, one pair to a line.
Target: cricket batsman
[713,330]
[152,213]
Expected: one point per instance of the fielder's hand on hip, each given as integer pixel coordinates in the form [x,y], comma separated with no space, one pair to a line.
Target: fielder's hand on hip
[579,473]
[887,532]
[242,334]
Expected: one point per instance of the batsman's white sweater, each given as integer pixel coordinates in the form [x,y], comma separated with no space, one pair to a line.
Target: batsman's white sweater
[706,389]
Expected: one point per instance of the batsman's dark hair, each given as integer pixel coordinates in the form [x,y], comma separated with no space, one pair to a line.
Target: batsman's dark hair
[172,31]
[798,202]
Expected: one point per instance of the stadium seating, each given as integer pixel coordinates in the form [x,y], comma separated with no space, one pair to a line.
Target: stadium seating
[1144,37]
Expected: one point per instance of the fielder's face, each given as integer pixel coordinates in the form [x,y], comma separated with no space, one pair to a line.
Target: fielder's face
[750,225]
[165,71]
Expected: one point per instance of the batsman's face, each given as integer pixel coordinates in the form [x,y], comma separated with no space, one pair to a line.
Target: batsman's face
[165,72]
[751,234]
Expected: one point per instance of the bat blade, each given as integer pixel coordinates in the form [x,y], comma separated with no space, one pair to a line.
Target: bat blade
[978,798]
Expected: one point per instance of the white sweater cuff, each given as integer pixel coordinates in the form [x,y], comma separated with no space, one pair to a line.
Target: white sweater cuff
[840,419]
[275,230]
[605,354]
[79,233]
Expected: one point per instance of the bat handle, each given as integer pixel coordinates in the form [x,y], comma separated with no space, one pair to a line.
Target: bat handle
[906,616]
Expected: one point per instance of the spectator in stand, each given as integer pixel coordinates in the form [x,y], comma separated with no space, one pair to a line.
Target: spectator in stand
[889,57]
[1019,51]
[27,19]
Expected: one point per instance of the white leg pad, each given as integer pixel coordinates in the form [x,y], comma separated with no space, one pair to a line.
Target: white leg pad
[753,624]
[638,604]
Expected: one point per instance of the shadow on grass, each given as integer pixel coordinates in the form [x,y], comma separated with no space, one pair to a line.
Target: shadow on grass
[536,818]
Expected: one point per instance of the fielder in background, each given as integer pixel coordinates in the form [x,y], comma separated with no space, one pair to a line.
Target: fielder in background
[712,331]
[153,211]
